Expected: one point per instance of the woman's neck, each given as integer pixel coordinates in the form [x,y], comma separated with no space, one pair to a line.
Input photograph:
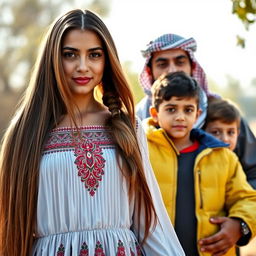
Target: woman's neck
[86,113]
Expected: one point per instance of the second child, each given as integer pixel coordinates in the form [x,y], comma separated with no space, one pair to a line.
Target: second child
[223,121]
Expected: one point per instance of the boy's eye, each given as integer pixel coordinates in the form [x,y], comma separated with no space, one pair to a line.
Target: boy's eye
[171,110]
[189,110]
[215,133]
[231,133]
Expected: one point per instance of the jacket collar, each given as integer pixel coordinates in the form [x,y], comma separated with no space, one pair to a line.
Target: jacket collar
[206,140]
[159,136]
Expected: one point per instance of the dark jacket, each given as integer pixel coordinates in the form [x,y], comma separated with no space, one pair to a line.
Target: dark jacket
[246,152]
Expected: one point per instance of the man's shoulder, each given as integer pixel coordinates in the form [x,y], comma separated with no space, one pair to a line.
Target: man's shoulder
[142,108]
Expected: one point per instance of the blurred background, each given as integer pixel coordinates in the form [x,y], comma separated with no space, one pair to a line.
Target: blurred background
[224,30]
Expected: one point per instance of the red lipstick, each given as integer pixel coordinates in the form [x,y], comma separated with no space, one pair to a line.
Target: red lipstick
[82,80]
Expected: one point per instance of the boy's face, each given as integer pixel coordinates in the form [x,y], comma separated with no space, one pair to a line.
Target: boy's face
[177,117]
[227,133]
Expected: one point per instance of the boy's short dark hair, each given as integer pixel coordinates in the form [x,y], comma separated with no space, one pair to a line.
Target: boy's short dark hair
[222,110]
[177,84]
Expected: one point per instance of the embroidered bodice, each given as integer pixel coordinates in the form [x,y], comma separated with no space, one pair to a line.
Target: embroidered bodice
[87,147]
[83,205]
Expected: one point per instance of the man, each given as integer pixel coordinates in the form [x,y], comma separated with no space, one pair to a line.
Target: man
[170,53]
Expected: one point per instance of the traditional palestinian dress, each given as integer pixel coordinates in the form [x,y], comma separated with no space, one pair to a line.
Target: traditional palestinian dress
[83,204]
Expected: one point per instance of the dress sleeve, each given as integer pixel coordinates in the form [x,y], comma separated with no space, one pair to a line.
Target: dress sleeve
[162,240]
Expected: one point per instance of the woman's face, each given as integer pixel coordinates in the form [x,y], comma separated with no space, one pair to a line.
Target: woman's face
[83,60]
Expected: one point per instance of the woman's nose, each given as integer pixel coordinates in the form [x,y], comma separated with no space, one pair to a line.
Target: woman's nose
[82,65]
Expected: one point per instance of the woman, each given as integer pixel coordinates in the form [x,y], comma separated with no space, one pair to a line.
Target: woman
[72,178]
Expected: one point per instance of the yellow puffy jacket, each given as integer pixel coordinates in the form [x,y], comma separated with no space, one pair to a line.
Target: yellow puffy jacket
[221,188]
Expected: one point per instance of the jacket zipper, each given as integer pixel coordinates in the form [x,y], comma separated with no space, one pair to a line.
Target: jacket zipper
[200,189]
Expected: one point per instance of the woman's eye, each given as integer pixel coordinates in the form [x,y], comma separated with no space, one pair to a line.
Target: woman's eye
[95,54]
[69,54]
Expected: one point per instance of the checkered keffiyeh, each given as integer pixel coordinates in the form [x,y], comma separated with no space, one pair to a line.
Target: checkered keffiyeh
[172,41]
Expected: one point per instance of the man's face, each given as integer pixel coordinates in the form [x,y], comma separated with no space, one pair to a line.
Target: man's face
[169,61]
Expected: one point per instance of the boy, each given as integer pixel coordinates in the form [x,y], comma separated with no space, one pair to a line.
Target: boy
[203,185]
[223,121]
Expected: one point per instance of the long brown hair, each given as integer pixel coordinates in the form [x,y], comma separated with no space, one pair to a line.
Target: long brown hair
[45,101]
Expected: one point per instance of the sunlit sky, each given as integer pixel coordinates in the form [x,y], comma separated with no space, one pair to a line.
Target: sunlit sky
[133,23]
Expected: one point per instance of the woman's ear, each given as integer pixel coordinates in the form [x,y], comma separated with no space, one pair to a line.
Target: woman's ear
[154,114]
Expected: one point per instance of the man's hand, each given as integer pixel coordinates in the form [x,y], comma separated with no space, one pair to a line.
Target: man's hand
[219,243]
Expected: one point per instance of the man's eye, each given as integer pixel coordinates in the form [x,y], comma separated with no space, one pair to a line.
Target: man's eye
[180,63]
[162,65]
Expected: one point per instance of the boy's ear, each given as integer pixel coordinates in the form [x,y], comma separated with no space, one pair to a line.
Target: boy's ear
[153,113]
[238,131]
[199,112]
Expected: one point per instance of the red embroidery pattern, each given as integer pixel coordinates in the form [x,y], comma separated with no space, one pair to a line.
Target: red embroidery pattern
[132,253]
[138,250]
[65,139]
[84,250]
[99,250]
[120,249]
[90,164]
[61,250]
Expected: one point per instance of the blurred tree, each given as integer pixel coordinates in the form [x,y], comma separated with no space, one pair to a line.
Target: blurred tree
[102,7]
[253,82]
[132,77]
[233,90]
[246,12]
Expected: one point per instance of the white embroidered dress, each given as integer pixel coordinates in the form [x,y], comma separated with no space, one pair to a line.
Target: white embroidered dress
[83,205]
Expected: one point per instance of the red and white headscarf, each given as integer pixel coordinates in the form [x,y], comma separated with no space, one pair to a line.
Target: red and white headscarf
[172,41]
